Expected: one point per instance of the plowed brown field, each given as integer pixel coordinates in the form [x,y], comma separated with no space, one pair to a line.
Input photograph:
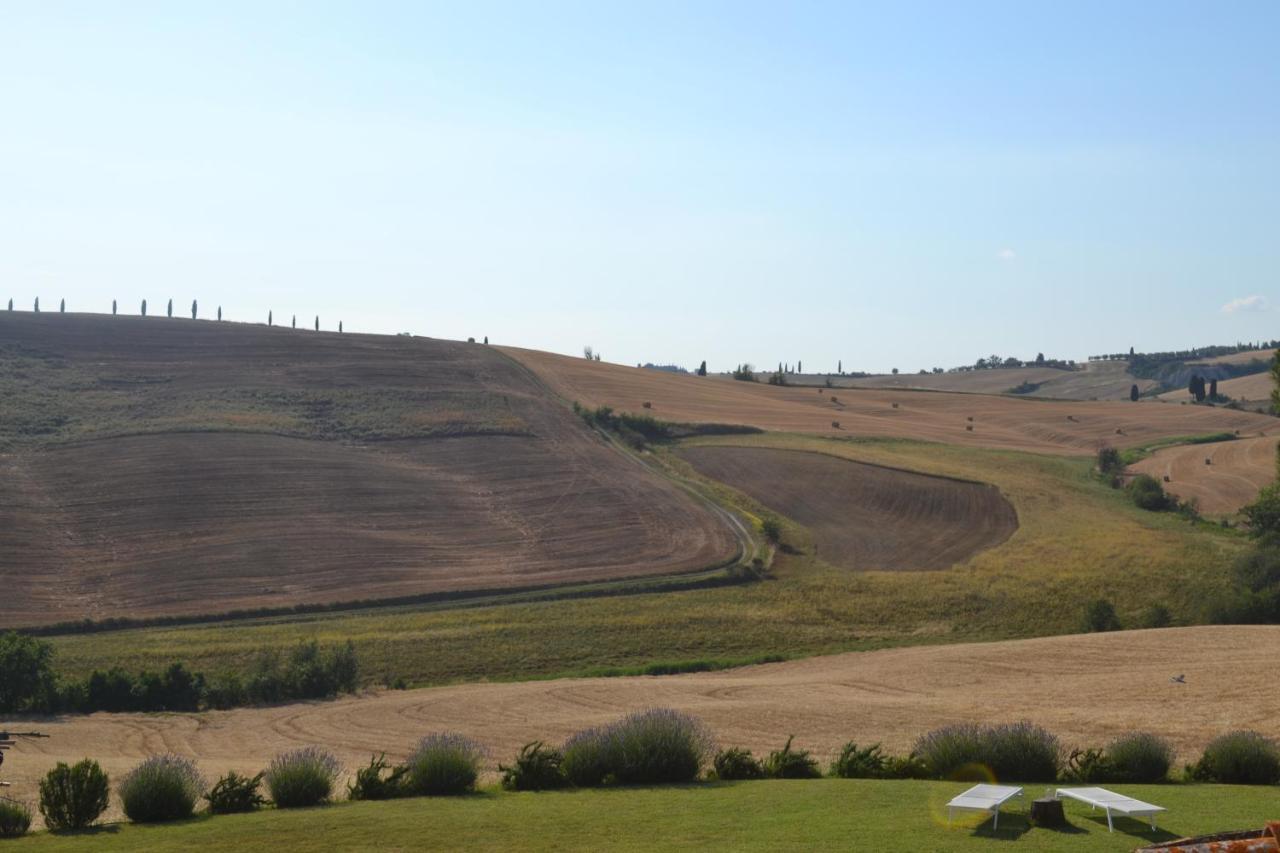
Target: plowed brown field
[159,467]
[1046,426]
[1086,689]
[1237,471]
[866,516]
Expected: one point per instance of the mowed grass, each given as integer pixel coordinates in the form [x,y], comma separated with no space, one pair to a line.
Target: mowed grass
[1078,540]
[825,814]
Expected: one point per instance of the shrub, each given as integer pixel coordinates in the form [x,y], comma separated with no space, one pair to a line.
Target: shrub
[855,763]
[370,784]
[301,777]
[904,767]
[1100,615]
[536,768]
[1239,758]
[26,672]
[1017,751]
[1156,616]
[73,797]
[736,763]
[771,528]
[1089,766]
[788,763]
[444,763]
[585,758]
[1147,493]
[657,746]
[163,787]
[1140,758]
[15,818]
[233,794]
[1109,460]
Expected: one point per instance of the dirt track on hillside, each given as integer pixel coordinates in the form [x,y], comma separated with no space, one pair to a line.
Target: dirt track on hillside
[170,467]
[1086,689]
[866,516]
[1043,426]
[1237,471]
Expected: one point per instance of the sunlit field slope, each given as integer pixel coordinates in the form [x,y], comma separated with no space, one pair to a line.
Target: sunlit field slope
[1220,476]
[153,466]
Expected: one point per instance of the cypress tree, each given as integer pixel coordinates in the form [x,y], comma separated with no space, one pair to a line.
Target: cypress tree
[113,308]
[62,307]
[37,305]
[170,311]
[840,367]
[702,368]
[144,308]
[10,303]
[268,318]
[193,309]
[1133,393]
[294,322]
[317,322]
[799,367]
[219,313]
[486,340]
[1213,389]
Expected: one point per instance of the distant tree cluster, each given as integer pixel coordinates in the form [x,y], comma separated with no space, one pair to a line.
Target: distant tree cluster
[1190,354]
[996,362]
[745,373]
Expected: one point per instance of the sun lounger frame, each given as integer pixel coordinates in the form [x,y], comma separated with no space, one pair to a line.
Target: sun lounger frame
[984,798]
[1110,801]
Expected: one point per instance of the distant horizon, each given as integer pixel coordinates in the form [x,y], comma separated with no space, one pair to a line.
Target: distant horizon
[888,186]
[306,323]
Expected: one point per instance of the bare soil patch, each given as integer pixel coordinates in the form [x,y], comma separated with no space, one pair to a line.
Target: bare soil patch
[1086,689]
[998,421]
[866,516]
[1235,473]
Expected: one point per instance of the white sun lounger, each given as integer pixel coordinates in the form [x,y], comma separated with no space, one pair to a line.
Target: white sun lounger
[984,798]
[1112,803]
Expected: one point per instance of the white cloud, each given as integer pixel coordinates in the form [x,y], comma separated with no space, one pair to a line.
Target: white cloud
[1006,254]
[1255,302]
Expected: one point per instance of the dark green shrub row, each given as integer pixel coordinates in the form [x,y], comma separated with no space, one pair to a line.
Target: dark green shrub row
[28,682]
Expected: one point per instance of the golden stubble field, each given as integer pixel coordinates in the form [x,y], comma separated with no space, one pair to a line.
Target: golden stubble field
[1085,688]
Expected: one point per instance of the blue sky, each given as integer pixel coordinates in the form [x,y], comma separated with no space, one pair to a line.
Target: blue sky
[899,185]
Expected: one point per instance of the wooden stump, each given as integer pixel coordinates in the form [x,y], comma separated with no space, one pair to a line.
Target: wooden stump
[1047,812]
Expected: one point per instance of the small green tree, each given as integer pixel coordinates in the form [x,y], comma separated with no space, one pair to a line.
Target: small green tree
[293,323]
[144,308]
[62,306]
[26,673]
[771,528]
[36,308]
[317,322]
[219,313]
[170,309]
[1133,393]
[268,318]
[113,308]
[193,309]
[1213,389]
[702,368]
[74,797]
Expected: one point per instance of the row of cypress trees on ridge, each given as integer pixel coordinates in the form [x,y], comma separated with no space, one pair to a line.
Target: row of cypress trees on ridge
[195,312]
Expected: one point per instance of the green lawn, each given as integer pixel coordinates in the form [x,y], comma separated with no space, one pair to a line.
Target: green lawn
[827,814]
[1077,540]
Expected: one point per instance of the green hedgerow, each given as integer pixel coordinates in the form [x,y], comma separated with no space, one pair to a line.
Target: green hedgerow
[73,797]
[788,763]
[234,794]
[536,768]
[444,763]
[1239,758]
[370,784]
[15,818]
[301,777]
[736,763]
[161,788]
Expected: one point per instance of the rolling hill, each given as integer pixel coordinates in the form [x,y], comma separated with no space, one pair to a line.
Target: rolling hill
[159,467]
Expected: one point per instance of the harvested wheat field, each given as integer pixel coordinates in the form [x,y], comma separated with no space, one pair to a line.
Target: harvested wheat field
[1253,390]
[866,516]
[1043,426]
[1235,473]
[1085,688]
[153,467]
[1095,380]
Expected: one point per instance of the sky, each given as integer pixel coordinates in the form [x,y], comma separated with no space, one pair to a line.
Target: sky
[882,185]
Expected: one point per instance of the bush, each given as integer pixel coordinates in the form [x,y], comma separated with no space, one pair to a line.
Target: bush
[1140,758]
[233,794]
[1012,752]
[1239,758]
[1088,766]
[736,763]
[73,797]
[1100,615]
[1156,616]
[772,529]
[1147,493]
[444,763]
[657,746]
[15,818]
[301,777]
[536,768]
[370,784]
[26,673]
[904,767]
[645,748]
[788,763]
[855,763]
[161,788]
[1109,461]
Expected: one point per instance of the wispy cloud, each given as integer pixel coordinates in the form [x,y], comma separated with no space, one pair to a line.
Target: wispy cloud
[1241,304]
[1006,254]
